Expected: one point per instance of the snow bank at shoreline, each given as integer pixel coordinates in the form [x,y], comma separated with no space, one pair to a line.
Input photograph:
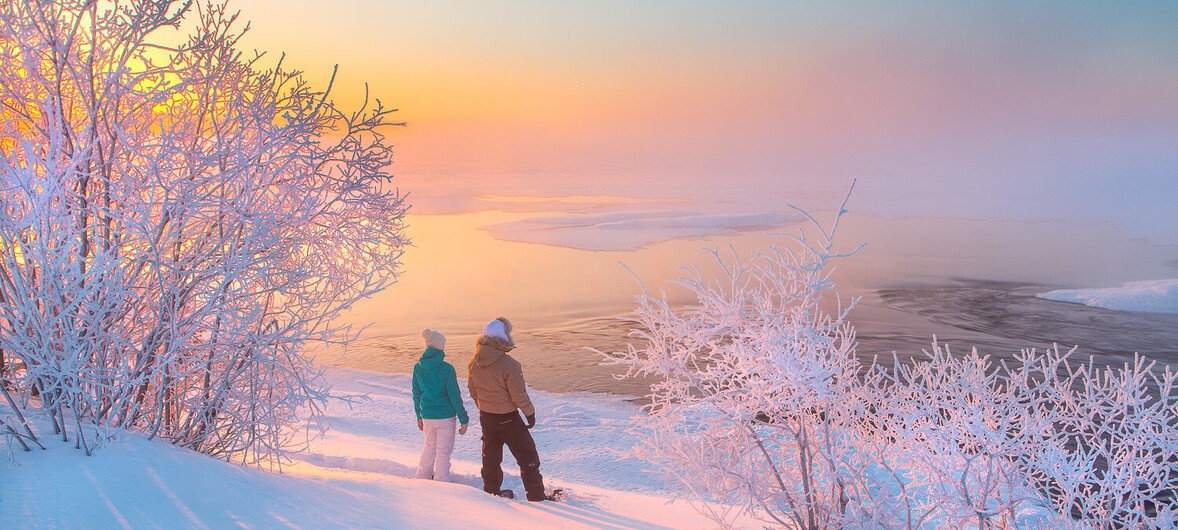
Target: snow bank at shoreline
[1156,296]
[356,476]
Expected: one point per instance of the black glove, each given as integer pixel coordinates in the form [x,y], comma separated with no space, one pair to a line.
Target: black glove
[531,420]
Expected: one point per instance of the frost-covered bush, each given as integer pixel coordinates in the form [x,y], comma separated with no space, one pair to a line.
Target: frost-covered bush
[1098,445]
[762,405]
[1112,458]
[964,427]
[754,400]
[178,221]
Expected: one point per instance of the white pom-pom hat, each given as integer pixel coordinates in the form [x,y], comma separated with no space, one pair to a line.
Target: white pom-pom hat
[434,338]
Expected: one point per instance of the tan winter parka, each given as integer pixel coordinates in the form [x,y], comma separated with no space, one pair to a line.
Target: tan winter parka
[496,380]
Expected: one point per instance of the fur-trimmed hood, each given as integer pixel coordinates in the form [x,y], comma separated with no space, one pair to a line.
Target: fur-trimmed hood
[493,342]
[496,380]
[489,349]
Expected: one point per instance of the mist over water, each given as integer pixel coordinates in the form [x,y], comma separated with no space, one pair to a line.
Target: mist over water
[969,282]
[1001,148]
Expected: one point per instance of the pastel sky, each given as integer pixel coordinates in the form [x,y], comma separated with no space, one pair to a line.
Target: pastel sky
[1005,109]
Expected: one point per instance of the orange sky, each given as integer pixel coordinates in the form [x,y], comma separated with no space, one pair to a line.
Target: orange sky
[974,101]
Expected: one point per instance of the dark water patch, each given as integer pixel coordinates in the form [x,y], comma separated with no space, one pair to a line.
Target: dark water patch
[879,344]
[996,317]
[969,283]
[1009,312]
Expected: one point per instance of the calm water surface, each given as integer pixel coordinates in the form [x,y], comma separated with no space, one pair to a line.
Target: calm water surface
[970,283]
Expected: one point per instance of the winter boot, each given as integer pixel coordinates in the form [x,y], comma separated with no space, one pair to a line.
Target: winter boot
[557,495]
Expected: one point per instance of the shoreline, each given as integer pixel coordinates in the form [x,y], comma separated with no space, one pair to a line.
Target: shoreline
[998,318]
[958,280]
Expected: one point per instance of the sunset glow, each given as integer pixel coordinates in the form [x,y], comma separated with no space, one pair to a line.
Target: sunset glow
[695,263]
[994,111]
[994,106]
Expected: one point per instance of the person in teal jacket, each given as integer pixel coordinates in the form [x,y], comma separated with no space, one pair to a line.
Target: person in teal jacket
[438,403]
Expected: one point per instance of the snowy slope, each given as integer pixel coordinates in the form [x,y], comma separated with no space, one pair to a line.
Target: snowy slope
[355,477]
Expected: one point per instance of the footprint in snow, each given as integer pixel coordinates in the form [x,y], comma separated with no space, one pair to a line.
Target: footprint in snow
[571,419]
[395,389]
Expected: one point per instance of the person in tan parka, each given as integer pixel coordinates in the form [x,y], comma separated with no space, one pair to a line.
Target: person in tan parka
[496,383]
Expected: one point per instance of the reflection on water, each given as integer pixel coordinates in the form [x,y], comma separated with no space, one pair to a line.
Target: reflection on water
[554,359]
[562,300]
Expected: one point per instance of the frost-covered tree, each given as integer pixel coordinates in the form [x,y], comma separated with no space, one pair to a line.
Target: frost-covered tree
[179,221]
[1098,445]
[963,426]
[751,404]
[761,405]
[1111,457]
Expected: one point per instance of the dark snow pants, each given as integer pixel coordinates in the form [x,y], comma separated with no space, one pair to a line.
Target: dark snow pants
[510,429]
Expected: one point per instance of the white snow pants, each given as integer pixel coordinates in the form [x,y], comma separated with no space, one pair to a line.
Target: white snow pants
[439,443]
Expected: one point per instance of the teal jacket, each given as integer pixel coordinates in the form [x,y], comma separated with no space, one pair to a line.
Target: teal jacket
[435,388]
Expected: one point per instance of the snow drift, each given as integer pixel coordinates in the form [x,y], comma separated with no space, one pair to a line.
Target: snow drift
[356,476]
[1156,296]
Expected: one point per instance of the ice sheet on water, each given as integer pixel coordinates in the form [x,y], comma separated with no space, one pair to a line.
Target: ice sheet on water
[1154,296]
[631,230]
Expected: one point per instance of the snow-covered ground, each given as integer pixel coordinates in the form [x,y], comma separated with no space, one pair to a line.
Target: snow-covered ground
[1156,296]
[356,476]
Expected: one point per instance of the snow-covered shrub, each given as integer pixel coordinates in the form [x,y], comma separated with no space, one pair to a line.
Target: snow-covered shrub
[965,425]
[755,402]
[178,222]
[762,405]
[1098,445]
[1111,459]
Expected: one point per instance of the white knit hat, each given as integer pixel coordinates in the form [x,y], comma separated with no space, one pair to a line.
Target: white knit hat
[500,327]
[434,338]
